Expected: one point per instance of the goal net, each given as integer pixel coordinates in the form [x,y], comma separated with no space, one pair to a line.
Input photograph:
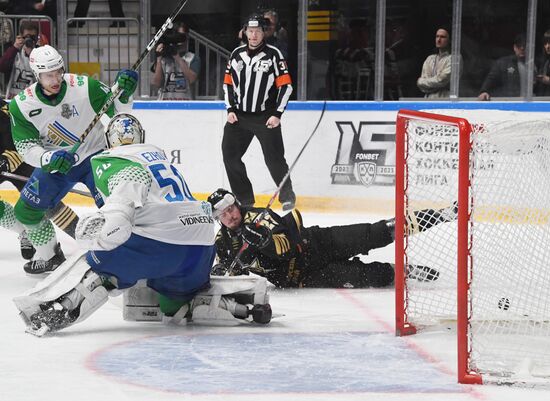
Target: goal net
[494,260]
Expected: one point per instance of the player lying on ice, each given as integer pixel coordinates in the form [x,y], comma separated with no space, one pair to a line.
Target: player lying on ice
[291,255]
[151,230]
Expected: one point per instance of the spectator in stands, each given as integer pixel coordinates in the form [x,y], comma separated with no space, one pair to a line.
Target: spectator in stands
[275,34]
[542,87]
[15,60]
[81,10]
[176,69]
[350,74]
[508,75]
[435,78]
[6,30]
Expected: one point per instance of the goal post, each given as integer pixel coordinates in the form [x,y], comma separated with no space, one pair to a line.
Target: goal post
[494,260]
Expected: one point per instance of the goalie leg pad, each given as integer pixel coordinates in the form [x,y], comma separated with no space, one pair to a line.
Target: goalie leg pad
[141,304]
[255,287]
[72,288]
[225,302]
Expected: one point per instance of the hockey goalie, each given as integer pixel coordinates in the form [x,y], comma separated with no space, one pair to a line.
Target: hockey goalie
[151,240]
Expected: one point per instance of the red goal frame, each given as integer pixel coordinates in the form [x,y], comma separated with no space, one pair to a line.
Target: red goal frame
[464,263]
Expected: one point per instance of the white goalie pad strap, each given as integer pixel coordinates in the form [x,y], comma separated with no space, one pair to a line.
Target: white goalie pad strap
[118,221]
[212,310]
[62,280]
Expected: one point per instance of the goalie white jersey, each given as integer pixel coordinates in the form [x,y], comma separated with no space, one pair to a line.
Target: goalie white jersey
[165,208]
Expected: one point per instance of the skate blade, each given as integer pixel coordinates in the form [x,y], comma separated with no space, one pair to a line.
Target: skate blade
[38,332]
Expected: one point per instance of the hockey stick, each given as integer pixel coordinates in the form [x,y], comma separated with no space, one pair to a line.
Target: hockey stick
[25,179]
[115,91]
[264,212]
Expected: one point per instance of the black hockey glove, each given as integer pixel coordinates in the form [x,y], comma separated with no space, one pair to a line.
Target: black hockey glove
[4,164]
[256,236]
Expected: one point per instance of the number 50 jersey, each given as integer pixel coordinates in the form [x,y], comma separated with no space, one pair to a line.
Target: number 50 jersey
[165,208]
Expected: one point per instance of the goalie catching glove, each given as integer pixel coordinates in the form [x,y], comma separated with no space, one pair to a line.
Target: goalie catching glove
[108,228]
[256,236]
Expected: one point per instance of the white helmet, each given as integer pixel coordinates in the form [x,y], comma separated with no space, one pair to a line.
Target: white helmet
[45,59]
[124,129]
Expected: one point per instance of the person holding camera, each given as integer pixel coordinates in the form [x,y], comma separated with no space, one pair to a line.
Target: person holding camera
[176,69]
[15,60]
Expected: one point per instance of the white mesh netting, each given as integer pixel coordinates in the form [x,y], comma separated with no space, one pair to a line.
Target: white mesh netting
[509,234]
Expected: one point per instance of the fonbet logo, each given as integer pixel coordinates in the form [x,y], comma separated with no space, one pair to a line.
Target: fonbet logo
[366,153]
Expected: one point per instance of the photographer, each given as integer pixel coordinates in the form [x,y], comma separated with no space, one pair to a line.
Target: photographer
[15,60]
[176,69]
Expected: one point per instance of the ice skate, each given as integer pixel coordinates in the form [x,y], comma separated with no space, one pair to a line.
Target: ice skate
[39,266]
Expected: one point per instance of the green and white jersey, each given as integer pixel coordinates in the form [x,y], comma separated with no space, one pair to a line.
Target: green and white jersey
[40,124]
[165,208]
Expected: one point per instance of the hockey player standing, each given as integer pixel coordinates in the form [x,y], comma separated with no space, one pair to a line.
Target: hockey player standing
[47,119]
[291,255]
[257,88]
[11,162]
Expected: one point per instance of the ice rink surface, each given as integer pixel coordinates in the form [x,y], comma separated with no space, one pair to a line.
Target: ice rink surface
[330,345]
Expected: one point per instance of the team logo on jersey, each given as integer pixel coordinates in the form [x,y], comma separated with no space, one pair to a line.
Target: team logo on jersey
[58,135]
[263,65]
[68,111]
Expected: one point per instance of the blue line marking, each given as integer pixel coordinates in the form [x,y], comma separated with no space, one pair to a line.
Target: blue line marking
[274,363]
[354,106]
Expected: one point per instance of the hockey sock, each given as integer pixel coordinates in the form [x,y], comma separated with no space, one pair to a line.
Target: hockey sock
[64,217]
[7,218]
[42,236]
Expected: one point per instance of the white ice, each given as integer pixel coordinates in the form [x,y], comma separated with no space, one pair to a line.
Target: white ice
[329,345]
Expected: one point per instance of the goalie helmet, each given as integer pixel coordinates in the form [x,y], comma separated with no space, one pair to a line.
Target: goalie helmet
[124,129]
[45,59]
[220,200]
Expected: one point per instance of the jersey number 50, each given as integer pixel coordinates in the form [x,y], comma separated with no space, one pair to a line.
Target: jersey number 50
[175,180]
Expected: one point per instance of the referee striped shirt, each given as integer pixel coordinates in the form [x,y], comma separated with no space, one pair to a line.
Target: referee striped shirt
[257,80]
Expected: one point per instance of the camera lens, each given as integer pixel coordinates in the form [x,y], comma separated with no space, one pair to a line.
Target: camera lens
[30,42]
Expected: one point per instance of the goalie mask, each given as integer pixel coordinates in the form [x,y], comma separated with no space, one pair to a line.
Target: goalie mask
[124,129]
[220,200]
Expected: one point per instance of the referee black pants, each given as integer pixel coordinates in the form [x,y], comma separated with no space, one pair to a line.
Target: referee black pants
[236,140]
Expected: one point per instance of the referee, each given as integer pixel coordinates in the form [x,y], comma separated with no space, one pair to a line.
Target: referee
[257,87]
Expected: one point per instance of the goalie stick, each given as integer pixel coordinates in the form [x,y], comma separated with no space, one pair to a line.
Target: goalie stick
[261,216]
[115,90]
[25,179]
